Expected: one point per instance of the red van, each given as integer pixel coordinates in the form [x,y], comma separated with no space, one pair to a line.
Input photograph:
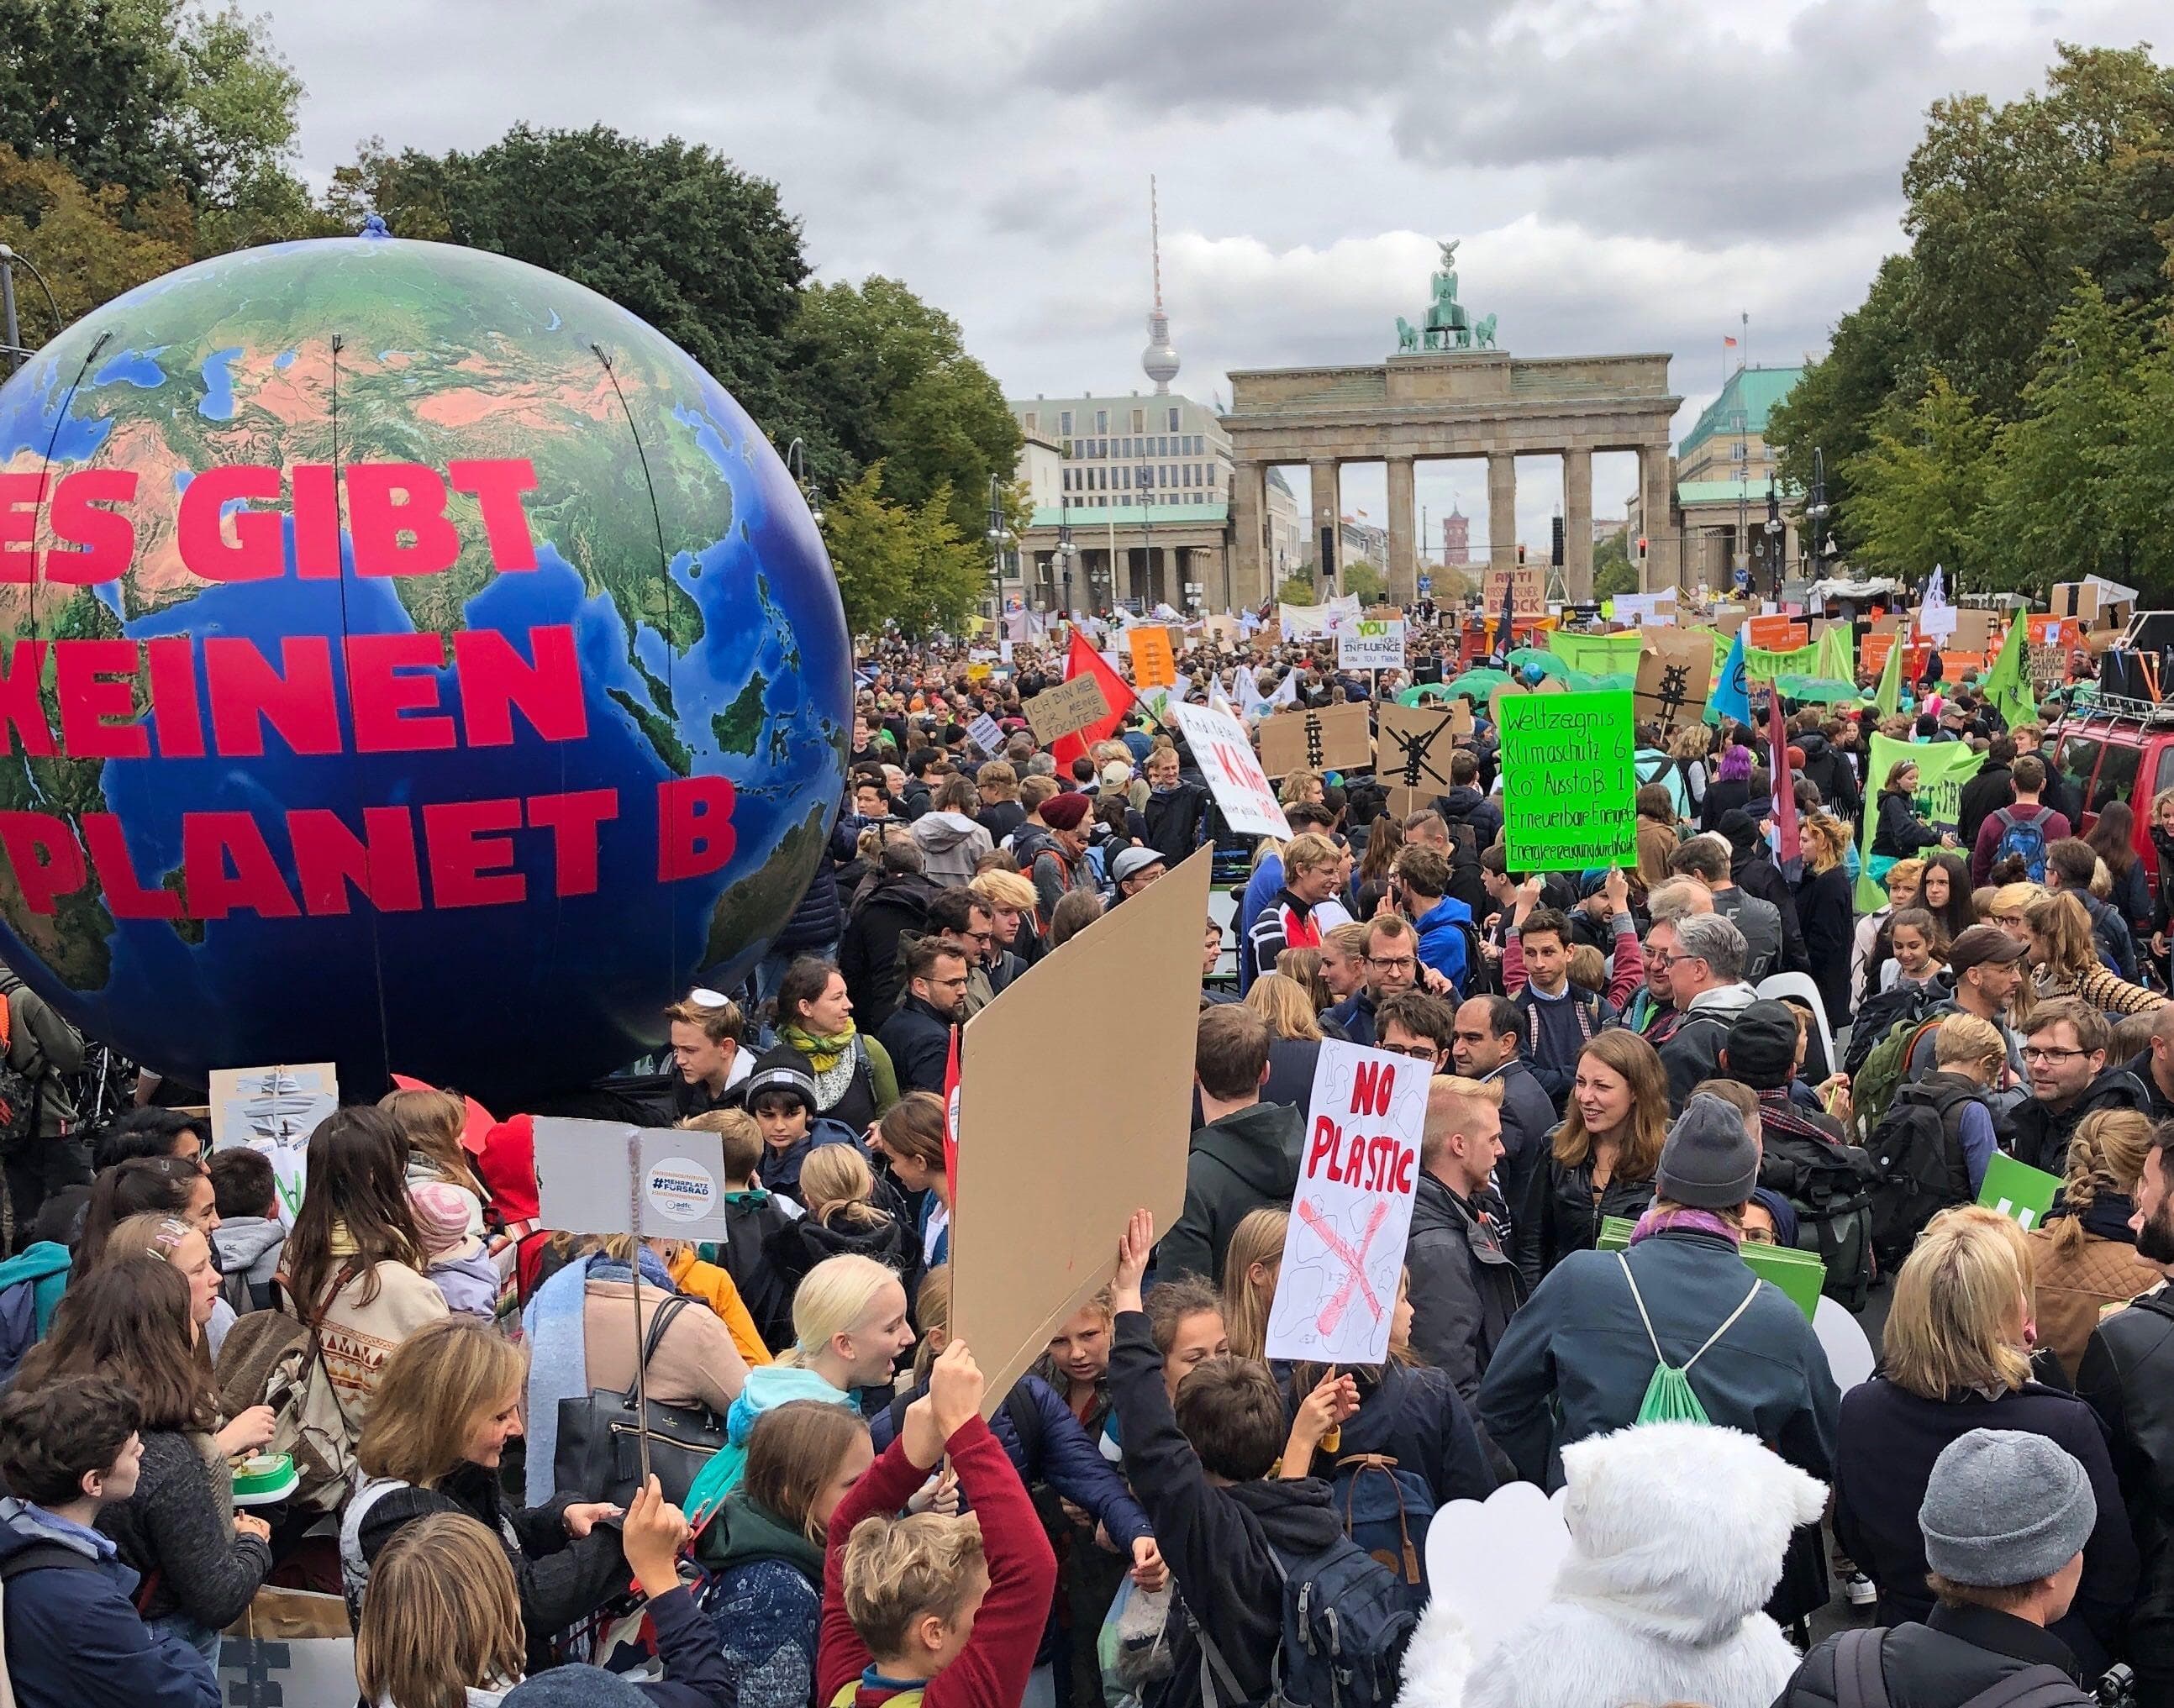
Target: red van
[2117,749]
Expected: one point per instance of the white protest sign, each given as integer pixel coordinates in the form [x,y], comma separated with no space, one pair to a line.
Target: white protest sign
[608,1177]
[1371,643]
[1234,777]
[274,1110]
[1344,1256]
[983,733]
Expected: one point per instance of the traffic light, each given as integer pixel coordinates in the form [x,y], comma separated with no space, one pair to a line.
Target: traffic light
[1641,549]
[1555,551]
[1521,557]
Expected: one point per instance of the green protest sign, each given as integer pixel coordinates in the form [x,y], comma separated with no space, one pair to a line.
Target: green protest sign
[1801,1275]
[1943,768]
[1568,789]
[2019,1192]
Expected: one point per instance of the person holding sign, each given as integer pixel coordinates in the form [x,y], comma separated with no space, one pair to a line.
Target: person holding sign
[1583,1355]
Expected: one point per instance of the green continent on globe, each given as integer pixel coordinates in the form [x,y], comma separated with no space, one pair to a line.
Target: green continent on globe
[777,889]
[739,726]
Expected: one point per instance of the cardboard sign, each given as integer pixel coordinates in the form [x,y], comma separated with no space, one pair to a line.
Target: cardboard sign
[2048,630]
[1226,757]
[1568,782]
[1413,749]
[2019,1192]
[274,1110]
[2048,666]
[1776,634]
[1065,706]
[1974,629]
[290,1649]
[1372,643]
[1340,737]
[1636,609]
[1040,1203]
[1675,673]
[1527,590]
[985,734]
[608,1177]
[1154,664]
[1344,1253]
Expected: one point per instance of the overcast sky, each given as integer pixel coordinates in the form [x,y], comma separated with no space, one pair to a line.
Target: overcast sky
[1624,174]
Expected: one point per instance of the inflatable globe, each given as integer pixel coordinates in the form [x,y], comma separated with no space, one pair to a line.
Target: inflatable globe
[408,658]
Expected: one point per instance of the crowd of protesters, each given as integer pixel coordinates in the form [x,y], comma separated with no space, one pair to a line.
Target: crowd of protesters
[1638,1074]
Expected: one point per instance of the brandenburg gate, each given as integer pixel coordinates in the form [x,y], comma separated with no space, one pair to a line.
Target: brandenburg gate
[1449,394]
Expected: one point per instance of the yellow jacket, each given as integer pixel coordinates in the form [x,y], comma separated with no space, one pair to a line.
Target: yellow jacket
[714,1288]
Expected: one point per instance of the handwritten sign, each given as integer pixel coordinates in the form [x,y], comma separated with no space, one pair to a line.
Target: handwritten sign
[274,1110]
[1343,1255]
[1234,777]
[1527,590]
[1330,739]
[1568,781]
[1064,706]
[1154,664]
[1413,750]
[1372,643]
[1675,673]
[985,733]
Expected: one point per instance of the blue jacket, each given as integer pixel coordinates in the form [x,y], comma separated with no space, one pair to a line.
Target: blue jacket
[1442,944]
[779,1171]
[74,1640]
[1260,890]
[1412,1414]
[1576,1360]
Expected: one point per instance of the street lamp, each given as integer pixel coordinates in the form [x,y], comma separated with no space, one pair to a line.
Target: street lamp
[795,465]
[1065,551]
[1773,532]
[1815,511]
[999,532]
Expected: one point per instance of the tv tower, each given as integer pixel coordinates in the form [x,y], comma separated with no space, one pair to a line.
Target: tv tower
[1159,359]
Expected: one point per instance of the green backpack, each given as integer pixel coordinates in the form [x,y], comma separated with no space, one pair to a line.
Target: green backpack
[1872,1086]
[1668,1396]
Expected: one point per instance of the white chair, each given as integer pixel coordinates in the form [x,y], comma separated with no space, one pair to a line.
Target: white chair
[1798,988]
[1842,1337]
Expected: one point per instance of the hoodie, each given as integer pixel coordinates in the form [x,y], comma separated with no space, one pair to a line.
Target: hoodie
[73,1639]
[248,1250]
[1244,1161]
[765,1601]
[951,844]
[799,1245]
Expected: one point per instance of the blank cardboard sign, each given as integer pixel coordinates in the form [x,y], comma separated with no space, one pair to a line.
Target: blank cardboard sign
[1048,1175]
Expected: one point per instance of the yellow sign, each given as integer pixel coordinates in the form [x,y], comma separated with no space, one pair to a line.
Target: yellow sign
[1154,664]
[978,672]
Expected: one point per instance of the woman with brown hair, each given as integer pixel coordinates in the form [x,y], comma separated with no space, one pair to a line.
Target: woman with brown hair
[1294,1035]
[2113,837]
[1827,910]
[1601,1159]
[434,1123]
[353,1265]
[910,1137]
[2085,1249]
[1250,1265]
[133,1318]
[452,1393]
[2066,959]
[1302,967]
[1955,1358]
[442,1625]
[765,1593]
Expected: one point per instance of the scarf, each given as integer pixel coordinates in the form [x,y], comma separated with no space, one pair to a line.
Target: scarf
[823,1051]
[1688,1220]
[557,1356]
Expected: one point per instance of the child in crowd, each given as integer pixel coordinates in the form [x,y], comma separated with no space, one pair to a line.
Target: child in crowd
[1588,970]
[250,1237]
[782,1101]
[952,1608]
[1920,948]
[752,1213]
[453,1257]
[68,1449]
[837,1187]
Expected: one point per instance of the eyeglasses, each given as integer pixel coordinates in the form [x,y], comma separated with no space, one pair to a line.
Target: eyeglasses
[957,984]
[1659,960]
[2032,1052]
[1418,1053]
[1390,964]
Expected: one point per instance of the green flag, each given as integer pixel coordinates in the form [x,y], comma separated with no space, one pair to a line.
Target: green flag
[2008,686]
[1943,768]
[1889,698]
[1835,662]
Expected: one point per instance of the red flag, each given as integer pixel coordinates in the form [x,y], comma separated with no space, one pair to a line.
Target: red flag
[951,1117]
[1116,693]
[1789,856]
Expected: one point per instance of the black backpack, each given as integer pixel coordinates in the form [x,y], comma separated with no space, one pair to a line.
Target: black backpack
[1879,1015]
[1918,1151]
[1468,883]
[1347,1622]
[1829,1185]
[1861,1683]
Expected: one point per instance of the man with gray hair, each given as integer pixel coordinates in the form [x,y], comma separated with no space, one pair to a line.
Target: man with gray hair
[2005,1516]
[1705,956]
[1705,860]
[1653,1012]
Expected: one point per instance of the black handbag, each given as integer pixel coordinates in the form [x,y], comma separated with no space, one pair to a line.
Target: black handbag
[599,1452]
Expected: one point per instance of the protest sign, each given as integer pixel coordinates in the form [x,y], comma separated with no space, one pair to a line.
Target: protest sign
[1330,739]
[1776,634]
[611,1177]
[1343,1251]
[1039,1205]
[1675,673]
[1234,777]
[1596,655]
[1799,1274]
[1527,591]
[290,1648]
[985,734]
[1568,782]
[274,1110]
[2019,1192]
[1413,749]
[1154,664]
[2047,630]
[1372,643]
[1639,609]
[1517,690]
[1065,706]
[1943,768]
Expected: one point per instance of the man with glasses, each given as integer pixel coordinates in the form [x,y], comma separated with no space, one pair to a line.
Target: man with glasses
[2065,1050]
[1392,966]
[1413,1023]
[918,1037]
[964,918]
[1705,956]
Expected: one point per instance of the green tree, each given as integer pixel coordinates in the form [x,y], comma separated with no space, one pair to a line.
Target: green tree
[2062,501]
[89,244]
[1613,572]
[1921,486]
[1297,590]
[903,563]
[888,378]
[1364,577]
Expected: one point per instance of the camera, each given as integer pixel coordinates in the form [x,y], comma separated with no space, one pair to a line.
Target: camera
[2116,1689]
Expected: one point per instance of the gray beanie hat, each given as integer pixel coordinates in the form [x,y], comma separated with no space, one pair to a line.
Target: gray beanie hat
[575,1687]
[1709,1162]
[2003,1507]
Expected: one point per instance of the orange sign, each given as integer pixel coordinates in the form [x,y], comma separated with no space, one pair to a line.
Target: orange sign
[2047,630]
[1776,634]
[1152,664]
[1874,649]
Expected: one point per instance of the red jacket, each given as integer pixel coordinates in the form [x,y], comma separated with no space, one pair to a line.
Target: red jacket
[992,1671]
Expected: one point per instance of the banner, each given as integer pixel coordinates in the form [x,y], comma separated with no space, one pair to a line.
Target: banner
[1234,777]
[1344,1253]
[1569,785]
[1596,655]
[1372,643]
[1943,768]
[1761,665]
